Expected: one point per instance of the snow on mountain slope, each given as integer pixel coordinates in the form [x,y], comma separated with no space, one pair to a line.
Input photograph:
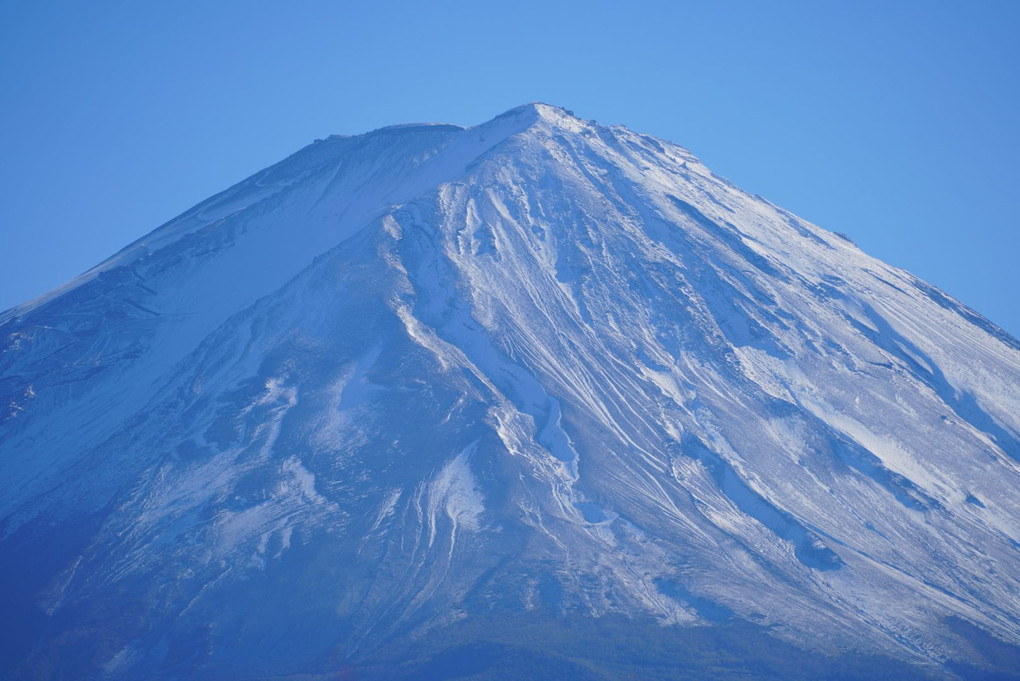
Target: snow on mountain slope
[404,378]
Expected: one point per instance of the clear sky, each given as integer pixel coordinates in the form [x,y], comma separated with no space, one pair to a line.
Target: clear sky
[897,123]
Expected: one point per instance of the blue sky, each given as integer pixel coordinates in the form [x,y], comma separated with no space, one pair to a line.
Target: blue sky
[896,123]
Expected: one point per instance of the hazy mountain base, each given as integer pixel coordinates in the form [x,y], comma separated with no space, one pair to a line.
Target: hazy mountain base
[501,645]
[537,648]
[529,646]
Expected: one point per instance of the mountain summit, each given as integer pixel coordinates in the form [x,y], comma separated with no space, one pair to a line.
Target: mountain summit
[442,402]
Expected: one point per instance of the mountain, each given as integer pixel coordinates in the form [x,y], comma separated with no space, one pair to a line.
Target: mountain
[539,398]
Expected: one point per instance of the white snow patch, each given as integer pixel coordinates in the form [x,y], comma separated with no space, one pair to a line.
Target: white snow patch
[453,492]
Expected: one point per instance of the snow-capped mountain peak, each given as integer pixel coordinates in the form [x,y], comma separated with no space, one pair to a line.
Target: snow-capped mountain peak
[405,380]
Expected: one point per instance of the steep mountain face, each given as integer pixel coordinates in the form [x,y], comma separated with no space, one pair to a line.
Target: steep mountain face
[538,368]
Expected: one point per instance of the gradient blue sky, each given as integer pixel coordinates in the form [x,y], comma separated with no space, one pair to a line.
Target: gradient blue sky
[895,122]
